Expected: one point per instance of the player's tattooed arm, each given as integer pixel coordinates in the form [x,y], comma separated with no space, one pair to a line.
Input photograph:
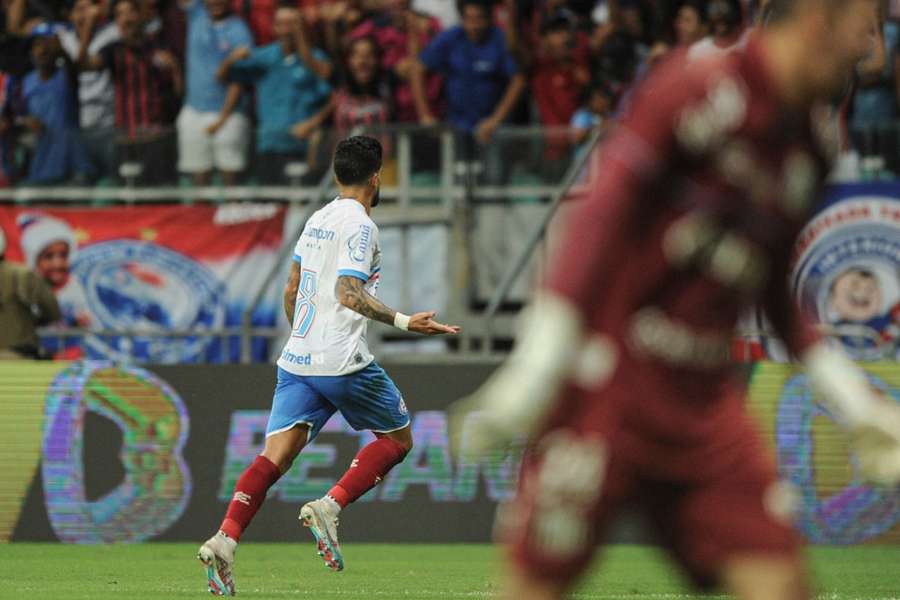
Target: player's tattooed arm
[290,292]
[353,295]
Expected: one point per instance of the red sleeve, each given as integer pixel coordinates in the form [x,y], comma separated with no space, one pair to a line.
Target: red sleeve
[662,130]
[792,323]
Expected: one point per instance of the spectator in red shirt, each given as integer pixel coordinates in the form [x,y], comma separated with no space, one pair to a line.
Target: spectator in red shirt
[391,32]
[561,71]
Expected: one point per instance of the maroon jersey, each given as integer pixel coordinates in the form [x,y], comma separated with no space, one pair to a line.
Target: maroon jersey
[691,219]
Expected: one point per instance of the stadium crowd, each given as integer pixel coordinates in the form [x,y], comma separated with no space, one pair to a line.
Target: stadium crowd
[233,87]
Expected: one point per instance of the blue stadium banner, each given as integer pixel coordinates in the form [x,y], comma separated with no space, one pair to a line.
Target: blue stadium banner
[846,266]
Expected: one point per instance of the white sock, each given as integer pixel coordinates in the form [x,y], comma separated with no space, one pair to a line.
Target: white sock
[332,504]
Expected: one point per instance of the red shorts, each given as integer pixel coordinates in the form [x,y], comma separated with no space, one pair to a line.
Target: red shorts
[581,473]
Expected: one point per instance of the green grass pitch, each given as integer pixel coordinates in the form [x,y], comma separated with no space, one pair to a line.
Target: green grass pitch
[148,571]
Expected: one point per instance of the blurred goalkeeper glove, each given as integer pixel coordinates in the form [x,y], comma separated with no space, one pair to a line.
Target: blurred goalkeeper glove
[873,419]
[514,401]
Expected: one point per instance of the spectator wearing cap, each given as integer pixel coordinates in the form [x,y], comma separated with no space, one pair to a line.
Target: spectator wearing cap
[726,23]
[292,93]
[483,82]
[400,34]
[148,81]
[26,302]
[96,94]
[50,113]
[213,129]
[50,245]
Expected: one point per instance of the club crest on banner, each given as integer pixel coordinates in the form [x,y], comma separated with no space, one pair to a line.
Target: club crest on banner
[130,284]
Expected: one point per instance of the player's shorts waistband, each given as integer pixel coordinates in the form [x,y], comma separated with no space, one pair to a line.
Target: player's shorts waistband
[654,334]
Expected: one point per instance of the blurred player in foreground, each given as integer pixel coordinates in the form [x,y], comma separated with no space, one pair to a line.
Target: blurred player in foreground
[326,365]
[622,377]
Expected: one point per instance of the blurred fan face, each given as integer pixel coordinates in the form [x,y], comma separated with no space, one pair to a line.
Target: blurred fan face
[53,264]
[128,20]
[217,9]
[43,52]
[363,61]
[559,44]
[282,24]
[79,13]
[600,103]
[632,21]
[475,22]
[688,26]
[722,17]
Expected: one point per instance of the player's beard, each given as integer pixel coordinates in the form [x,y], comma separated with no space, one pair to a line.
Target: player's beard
[376,199]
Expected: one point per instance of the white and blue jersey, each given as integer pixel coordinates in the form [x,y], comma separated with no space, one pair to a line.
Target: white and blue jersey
[326,365]
[328,338]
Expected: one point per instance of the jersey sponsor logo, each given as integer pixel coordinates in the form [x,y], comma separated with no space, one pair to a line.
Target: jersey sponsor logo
[359,244]
[309,359]
[321,234]
[846,272]
[130,284]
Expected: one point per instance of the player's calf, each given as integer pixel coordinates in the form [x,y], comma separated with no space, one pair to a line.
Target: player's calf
[766,578]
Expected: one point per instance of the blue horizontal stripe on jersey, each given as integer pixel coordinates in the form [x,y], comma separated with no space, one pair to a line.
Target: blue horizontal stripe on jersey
[352,273]
[297,258]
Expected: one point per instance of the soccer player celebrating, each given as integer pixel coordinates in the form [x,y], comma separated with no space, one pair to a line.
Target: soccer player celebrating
[326,365]
[622,378]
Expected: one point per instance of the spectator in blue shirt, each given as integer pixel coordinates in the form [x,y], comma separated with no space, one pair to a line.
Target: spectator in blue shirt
[483,82]
[50,113]
[293,98]
[213,129]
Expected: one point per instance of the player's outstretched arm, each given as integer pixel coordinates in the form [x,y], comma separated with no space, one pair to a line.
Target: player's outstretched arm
[354,296]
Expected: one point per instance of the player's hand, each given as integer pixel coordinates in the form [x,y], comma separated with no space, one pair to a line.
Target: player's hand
[485,430]
[876,443]
[503,410]
[425,324]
